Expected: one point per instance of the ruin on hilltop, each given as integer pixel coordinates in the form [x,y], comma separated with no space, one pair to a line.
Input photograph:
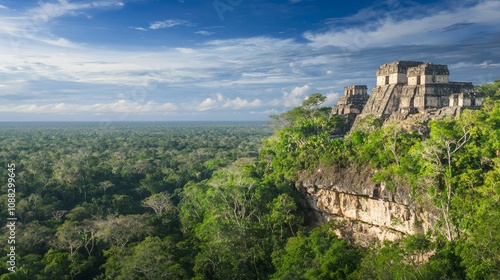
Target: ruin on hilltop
[407,89]
[350,105]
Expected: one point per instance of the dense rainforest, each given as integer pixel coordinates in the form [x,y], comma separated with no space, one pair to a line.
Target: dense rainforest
[218,200]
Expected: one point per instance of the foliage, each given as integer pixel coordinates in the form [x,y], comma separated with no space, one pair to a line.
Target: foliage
[414,257]
[215,201]
[317,255]
[236,221]
[490,90]
[152,258]
[302,136]
[453,169]
[96,202]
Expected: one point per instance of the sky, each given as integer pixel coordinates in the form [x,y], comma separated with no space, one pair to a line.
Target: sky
[223,60]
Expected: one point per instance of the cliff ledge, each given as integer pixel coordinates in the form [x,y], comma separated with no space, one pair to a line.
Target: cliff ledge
[366,212]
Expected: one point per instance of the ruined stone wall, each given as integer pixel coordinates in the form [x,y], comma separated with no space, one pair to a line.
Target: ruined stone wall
[394,73]
[355,90]
[350,106]
[458,87]
[383,101]
[393,79]
[466,100]
[428,79]
[432,96]
[428,73]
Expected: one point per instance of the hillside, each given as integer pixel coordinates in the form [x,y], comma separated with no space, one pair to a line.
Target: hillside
[433,191]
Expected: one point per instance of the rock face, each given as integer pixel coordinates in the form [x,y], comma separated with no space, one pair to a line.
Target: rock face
[367,212]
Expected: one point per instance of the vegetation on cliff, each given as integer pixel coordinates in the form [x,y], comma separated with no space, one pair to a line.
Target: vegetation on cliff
[452,167]
[158,201]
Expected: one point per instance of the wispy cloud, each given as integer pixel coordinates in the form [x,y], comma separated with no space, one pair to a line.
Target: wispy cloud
[169,23]
[252,74]
[266,113]
[33,24]
[139,28]
[390,29]
[45,11]
[204,33]
[457,26]
[120,106]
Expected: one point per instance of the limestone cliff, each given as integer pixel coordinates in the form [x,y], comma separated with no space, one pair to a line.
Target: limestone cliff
[366,211]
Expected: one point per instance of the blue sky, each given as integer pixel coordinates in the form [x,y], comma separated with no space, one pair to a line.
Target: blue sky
[108,60]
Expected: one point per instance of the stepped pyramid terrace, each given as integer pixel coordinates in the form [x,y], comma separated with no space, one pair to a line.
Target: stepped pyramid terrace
[407,88]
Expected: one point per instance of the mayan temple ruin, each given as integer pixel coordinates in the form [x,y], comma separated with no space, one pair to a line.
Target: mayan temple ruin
[350,105]
[407,89]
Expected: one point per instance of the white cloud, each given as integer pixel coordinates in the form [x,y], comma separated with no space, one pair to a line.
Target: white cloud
[204,33]
[428,29]
[296,96]
[186,50]
[300,91]
[12,86]
[331,99]
[239,103]
[207,104]
[34,23]
[169,23]
[228,103]
[259,72]
[213,65]
[139,28]
[49,10]
[120,106]
[61,42]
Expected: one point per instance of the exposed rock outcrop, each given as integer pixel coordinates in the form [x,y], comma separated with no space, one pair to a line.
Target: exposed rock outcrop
[366,211]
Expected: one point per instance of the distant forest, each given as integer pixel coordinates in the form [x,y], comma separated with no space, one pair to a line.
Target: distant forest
[218,200]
